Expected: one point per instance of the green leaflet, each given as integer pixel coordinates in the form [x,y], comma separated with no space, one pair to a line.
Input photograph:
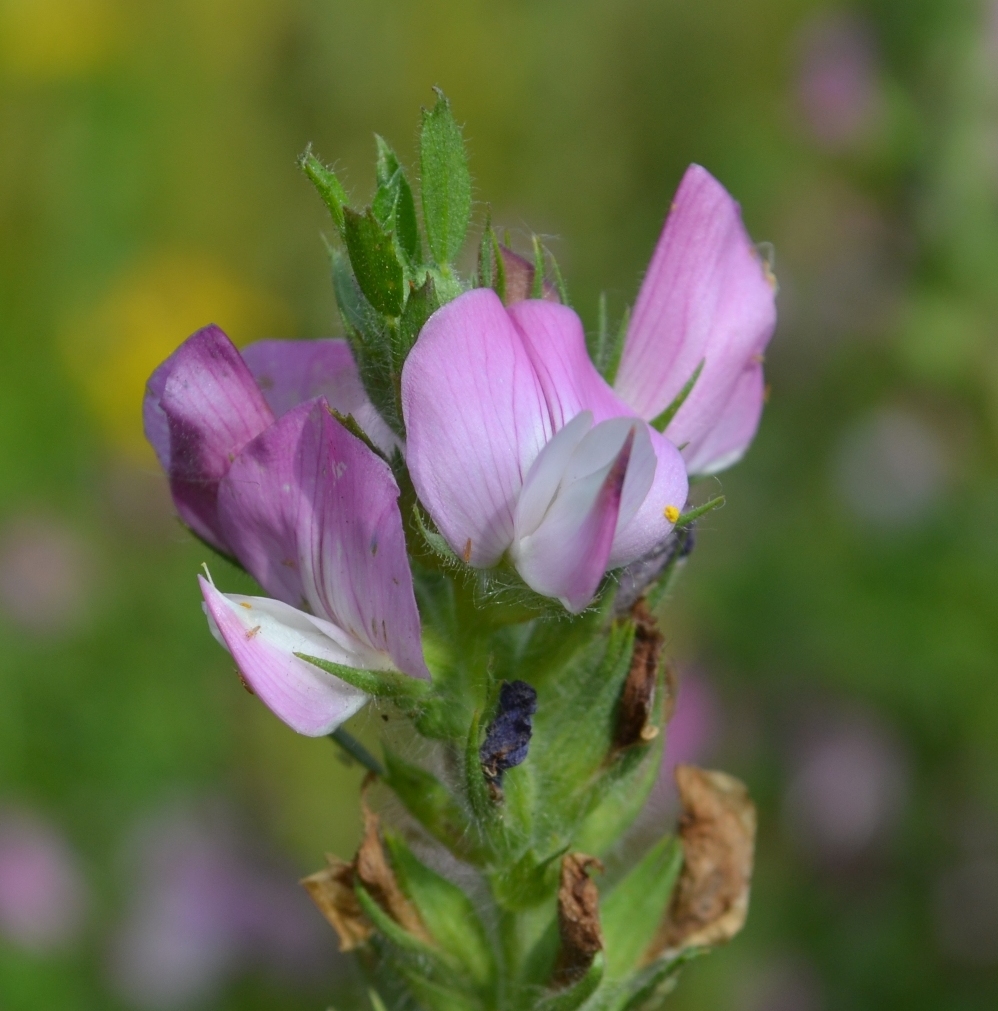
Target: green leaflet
[662,421]
[407,692]
[328,186]
[375,263]
[632,912]
[447,912]
[577,994]
[435,808]
[445,182]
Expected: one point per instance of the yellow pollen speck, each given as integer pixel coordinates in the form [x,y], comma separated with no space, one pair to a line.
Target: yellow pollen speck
[671,514]
[467,552]
[248,606]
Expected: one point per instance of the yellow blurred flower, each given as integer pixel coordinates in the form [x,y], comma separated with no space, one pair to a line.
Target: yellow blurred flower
[112,348]
[42,40]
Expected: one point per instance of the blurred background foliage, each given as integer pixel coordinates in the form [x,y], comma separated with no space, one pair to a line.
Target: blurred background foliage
[837,633]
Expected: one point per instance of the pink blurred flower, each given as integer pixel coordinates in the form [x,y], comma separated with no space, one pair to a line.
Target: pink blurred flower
[47,573]
[203,910]
[838,89]
[848,789]
[303,504]
[43,896]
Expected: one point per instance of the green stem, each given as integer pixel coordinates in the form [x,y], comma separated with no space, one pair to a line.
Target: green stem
[357,751]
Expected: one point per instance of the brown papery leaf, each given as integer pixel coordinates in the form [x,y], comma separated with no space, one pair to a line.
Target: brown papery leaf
[375,873]
[578,918]
[635,724]
[331,889]
[717,828]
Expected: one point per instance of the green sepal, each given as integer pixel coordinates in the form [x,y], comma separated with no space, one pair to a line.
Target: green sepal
[350,423]
[596,339]
[537,285]
[528,882]
[435,808]
[631,914]
[435,997]
[359,318]
[613,348]
[480,797]
[445,182]
[387,164]
[394,206]
[491,267]
[375,262]
[647,988]
[622,793]
[573,736]
[559,280]
[399,936]
[447,912]
[334,196]
[408,693]
[420,306]
[686,518]
[434,541]
[576,995]
[661,422]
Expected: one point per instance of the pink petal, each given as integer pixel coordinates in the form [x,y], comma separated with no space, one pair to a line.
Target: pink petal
[475,421]
[263,635]
[706,297]
[556,344]
[312,513]
[731,434]
[289,372]
[650,526]
[566,555]
[201,407]
[555,341]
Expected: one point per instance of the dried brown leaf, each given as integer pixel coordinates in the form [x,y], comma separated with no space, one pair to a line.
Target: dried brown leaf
[578,918]
[375,873]
[331,889]
[635,717]
[717,828]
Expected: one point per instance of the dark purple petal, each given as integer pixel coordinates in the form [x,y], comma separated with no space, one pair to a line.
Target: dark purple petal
[312,513]
[202,406]
[289,372]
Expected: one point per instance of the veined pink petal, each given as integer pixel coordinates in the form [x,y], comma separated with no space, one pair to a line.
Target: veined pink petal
[650,525]
[263,635]
[201,407]
[475,421]
[313,514]
[556,344]
[731,434]
[706,297]
[566,555]
[289,372]
[547,473]
[555,341]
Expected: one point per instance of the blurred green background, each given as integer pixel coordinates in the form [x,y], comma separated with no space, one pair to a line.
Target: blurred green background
[837,630]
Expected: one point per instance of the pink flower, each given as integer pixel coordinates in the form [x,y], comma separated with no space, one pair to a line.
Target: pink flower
[43,896]
[304,505]
[707,310]
[518,447]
